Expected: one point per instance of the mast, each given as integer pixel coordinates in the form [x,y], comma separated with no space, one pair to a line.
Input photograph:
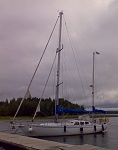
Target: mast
[58,66]
[93,81]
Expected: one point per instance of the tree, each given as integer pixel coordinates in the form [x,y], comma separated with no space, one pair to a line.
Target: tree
[30,104]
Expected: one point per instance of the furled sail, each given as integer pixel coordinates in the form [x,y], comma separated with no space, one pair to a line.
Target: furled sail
[97,111]
[60,110]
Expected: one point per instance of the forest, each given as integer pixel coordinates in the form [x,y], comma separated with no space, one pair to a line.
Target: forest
[8,108]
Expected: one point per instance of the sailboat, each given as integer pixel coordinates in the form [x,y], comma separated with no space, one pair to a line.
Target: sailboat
[68,127]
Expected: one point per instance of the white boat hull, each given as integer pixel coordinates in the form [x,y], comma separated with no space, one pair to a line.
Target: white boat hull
[58,129]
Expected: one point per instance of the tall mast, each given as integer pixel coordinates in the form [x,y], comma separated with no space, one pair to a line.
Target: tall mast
[58,66]
[93,81]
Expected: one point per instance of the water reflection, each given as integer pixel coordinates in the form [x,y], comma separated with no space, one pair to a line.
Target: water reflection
[100,140]
[105,140]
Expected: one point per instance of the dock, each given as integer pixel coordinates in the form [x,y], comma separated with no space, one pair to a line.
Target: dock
[29,143]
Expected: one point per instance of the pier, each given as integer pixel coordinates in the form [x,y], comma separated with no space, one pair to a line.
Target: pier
[29,143]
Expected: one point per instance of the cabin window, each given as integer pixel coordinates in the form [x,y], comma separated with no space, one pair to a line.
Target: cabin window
[76,123]
[82,123]
[86,122]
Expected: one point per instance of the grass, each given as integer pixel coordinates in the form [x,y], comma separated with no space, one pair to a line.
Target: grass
[50,117]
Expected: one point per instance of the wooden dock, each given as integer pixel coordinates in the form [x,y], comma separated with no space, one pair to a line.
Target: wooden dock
[29,143]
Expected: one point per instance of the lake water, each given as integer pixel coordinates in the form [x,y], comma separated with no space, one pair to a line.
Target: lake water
[107,140]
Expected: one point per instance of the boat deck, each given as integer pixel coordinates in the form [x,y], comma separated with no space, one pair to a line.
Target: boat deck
[29,143]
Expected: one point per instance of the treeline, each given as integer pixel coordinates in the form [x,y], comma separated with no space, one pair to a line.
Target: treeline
[47,106]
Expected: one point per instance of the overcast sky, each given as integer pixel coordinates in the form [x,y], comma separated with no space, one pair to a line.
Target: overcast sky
[25,26]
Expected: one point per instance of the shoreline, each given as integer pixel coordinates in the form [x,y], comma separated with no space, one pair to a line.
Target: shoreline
[50,117]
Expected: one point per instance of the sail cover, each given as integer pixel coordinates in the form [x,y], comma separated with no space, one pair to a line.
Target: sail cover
[98,111]
[60,110]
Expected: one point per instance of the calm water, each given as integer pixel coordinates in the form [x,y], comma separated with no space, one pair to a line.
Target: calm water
[108,139]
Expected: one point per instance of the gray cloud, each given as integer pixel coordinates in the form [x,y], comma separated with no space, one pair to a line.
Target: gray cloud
[25,26]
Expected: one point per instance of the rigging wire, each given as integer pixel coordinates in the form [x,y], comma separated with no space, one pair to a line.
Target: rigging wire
[89,45]
[96,87]
[75,58]
[96,91]
[54,81]
[62,75]
[66,77]
[66,74]
[82,69]
[62,64]
[38,107]
[83,74]
[35,70]
[67,80]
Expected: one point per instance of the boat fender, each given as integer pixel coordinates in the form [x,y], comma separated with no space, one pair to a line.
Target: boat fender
[30,129]
[102,127]
[64,128]
[81,129]
[100,120]
[106,119]
[95,128]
